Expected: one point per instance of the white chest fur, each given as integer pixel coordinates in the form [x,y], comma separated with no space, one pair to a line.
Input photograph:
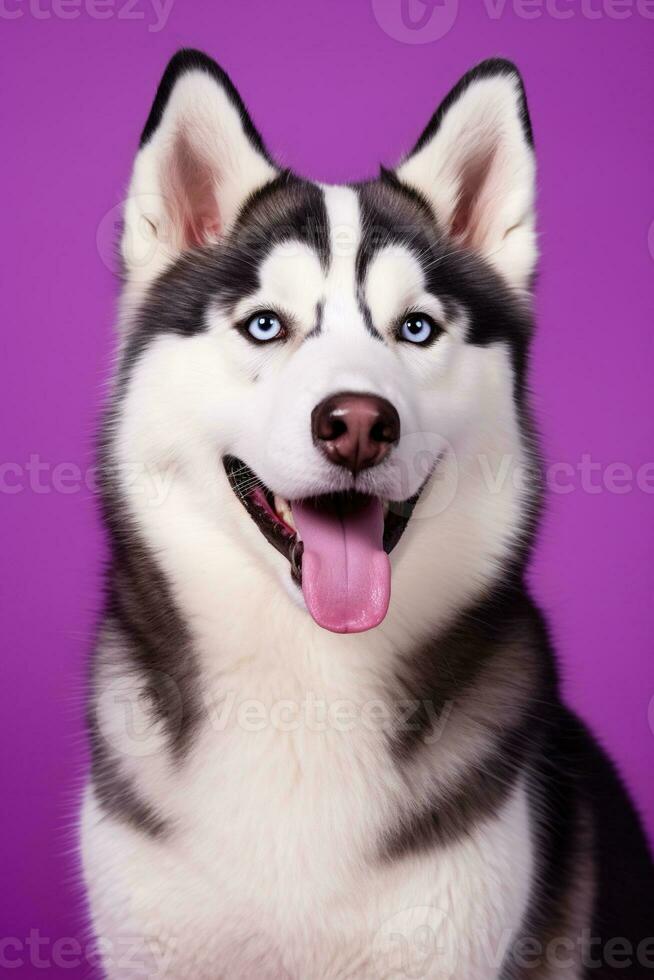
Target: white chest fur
[271,864]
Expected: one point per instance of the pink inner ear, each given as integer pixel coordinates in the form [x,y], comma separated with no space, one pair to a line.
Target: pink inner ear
[467,219]
[190,185]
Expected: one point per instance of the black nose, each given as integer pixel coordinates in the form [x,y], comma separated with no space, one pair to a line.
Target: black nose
[355,431]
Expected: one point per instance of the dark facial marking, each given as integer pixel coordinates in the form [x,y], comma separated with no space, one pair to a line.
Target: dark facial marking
[316,330]
[367,315]
[285,209]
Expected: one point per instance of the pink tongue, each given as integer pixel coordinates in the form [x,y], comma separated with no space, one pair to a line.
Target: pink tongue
[346,575]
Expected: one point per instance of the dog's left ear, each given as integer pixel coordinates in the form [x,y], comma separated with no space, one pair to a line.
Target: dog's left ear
[199,160]
[475,165]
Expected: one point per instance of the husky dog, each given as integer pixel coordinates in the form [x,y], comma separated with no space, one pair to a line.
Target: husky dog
[326,730]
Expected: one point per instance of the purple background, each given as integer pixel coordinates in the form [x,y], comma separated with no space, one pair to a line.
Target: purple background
[333,93]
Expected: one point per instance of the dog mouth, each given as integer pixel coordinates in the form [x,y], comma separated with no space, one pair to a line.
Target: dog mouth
[337,545]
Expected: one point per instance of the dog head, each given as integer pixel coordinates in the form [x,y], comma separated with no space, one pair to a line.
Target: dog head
[317,366]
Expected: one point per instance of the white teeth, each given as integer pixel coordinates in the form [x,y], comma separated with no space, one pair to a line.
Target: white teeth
[283,510]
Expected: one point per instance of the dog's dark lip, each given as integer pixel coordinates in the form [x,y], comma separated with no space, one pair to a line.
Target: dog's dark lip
[259,502]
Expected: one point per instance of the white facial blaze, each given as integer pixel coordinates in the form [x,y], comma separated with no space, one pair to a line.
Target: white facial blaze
[344,326]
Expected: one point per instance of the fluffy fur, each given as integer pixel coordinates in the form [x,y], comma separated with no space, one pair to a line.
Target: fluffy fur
[269,799]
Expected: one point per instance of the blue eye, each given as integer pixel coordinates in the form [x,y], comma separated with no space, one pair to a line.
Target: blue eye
[418,328]
[265,326]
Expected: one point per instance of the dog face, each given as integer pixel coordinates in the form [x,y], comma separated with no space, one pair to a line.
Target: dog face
[312,364]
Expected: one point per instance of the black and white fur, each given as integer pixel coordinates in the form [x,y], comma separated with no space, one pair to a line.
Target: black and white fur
[480,813]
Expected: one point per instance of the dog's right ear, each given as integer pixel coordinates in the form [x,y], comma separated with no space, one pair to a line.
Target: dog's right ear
[200,158]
